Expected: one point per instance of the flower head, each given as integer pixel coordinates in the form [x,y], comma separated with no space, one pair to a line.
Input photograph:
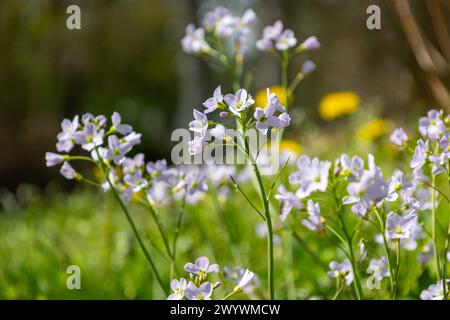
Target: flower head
[201,267]
[432,126]
[288,201]
[192,292]
[312,175]
[117,150]
[341,271]
[315,221]
[178,287]
[194,40]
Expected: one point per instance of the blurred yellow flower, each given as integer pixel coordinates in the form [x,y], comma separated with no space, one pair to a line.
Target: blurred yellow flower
[337,104]
[291,146]
[261,96]
[373,129]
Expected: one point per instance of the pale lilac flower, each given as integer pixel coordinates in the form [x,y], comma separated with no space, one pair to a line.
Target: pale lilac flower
[420,155]
[196,145]
[400,227]
[118,126]
[201,293]
[239,102]
[378,268]
[312,175]
[68,172]
[399,137]
[201,267]
[366,192]
[445,144]
[308,67]
[178,287]
[130,165]
[265,119]
[284,120]
[53,159]
[434,291]
[157,193]
[432,126]
[200,124]
[246,279]
[135,181]
[126,195]
[196,182]
[89,137]
[212,17]
[274,31]
[214,102]
[99,121]
[396,184]
[237,275]
[65,138]
[310,43]
[341,271]
[288,201]
[218,132]
[315,221]
[286,40]
[159,171]
[261,232]
[133,138]
[439,163]
[117,150]
[350,169]
[270,34]
[194,40]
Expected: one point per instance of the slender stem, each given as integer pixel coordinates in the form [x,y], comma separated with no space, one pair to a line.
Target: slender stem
[397,268]
[339,288]
[229,295]
[434,226]
[177,231]
[247,198]
[349,242]
[446,246]
[132,224]
[388,252]
[265,201]
[161,228]
[284,75]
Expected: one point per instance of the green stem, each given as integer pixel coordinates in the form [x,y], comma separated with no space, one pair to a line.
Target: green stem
[388,252]
[177,232]
[284,75]
[132,224]
[161,229]
[397,268]
[265,201]
[434,226]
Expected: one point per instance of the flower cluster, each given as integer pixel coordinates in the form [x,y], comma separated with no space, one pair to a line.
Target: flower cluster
[109,146]
[219,25]
[236,106]
[275,37]
[198,287]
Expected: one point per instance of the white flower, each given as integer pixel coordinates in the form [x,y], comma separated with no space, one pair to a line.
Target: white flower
[246,279]
[178,287]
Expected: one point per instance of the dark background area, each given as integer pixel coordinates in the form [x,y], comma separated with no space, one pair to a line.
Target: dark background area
[127,57]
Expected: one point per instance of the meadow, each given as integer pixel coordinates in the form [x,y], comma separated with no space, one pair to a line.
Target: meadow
[356,209]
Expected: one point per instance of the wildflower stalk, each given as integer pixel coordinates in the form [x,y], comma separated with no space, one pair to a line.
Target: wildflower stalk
[387,251]
[339,288]
[176,234]
[265,202]
[161,228]
[348,240]
[397,268]
[284,75]
[131,222]
[446,245]
[433,227]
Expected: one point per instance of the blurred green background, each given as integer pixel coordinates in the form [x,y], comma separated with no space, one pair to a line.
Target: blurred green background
[127,57]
